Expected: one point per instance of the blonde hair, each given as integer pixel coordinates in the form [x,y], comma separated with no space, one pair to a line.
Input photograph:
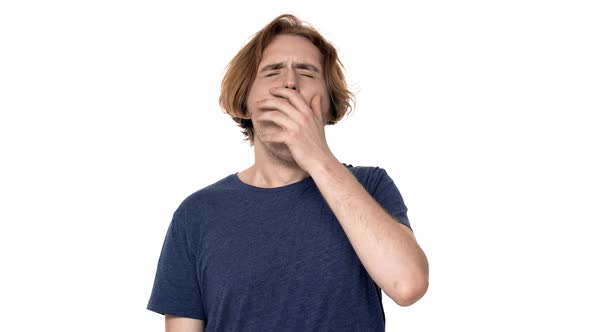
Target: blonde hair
[241,72]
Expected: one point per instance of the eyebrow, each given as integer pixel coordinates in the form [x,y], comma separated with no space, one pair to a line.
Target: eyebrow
[299,65]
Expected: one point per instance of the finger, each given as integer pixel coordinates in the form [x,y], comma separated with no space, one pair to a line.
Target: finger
[316,106]
[293,96]
[279,104]
[274,137]
[276,117]
[282,105]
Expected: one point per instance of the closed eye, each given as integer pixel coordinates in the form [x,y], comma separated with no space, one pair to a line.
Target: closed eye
[273,74]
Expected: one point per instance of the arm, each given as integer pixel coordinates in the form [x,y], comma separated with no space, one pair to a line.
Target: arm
[387,249]
[183,324]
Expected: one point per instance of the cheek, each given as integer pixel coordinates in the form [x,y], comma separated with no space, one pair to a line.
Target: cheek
[253,95]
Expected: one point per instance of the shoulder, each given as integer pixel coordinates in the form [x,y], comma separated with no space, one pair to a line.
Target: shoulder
[194,206]
[368,176]
[209,193]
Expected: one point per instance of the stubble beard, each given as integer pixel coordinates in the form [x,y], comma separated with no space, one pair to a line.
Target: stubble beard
[279,152]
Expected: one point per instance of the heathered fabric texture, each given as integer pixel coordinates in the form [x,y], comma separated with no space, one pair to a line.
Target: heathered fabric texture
[245,258]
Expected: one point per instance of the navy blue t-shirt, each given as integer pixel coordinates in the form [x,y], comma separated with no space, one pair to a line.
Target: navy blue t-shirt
[245,258]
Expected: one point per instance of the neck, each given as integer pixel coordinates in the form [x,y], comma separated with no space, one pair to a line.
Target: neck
[273,167]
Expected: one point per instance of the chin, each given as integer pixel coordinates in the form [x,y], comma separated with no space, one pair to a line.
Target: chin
[281,152]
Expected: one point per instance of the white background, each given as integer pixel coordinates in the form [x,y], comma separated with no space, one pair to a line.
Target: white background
[477,110]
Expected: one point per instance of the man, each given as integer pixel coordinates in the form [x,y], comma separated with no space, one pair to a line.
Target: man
[298,241]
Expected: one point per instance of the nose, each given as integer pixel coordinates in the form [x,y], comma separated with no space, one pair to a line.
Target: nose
[290,85]
[291,80]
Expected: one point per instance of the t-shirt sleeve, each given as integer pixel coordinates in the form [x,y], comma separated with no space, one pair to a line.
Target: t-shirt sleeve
[176,287]
[387,194]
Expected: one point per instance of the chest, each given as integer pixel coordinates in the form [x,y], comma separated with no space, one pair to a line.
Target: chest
[295,249]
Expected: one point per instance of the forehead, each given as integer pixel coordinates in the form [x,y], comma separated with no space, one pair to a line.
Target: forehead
[289,47]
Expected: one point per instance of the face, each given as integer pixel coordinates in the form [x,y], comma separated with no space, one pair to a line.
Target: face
[298,58]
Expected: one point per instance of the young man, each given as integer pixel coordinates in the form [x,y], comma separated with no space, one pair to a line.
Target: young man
[298,241]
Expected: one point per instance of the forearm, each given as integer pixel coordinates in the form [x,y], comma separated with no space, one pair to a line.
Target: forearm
[387,249]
